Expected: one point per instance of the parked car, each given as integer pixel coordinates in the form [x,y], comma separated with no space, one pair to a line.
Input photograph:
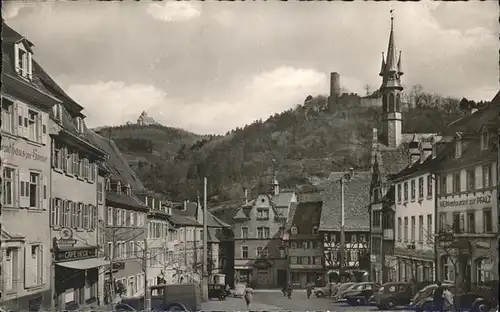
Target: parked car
[427,291]
[392,295]
[361,293]
[239,290]
[340,295]
[462,301]
[326,290]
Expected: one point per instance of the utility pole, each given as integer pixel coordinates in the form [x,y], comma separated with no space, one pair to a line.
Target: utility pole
[342,230]
[205,247]
[147,294]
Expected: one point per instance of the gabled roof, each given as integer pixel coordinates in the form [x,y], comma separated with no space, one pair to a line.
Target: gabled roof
[283,199]
[194,211]
[473,122]
[124,201]
[356,203]
[304,216]
[116,163]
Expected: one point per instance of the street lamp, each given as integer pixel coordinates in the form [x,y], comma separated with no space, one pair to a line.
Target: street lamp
[344,179]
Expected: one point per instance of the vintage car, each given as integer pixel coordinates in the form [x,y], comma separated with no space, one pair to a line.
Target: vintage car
[392,295]
[361,293]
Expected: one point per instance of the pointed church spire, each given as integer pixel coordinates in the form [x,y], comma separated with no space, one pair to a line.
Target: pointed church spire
[391,48]
[391,72]
[400,65]
[382,67]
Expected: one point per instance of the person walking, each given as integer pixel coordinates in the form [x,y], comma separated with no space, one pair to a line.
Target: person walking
[289,291]
[437,297]
[309,288]
[248,296]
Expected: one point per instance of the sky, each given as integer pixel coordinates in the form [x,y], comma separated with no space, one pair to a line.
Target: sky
[209,67]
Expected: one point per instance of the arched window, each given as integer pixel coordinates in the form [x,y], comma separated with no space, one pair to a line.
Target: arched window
[398,103]
[483,268]
[391,103]
[447,269]
[384,103]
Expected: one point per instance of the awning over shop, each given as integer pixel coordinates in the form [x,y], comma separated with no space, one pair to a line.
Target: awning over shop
[84,264]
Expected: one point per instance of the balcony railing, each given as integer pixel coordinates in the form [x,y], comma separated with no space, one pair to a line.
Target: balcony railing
[388,234]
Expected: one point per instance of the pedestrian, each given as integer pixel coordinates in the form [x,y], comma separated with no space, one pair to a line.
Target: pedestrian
[248,296]
[309,288]
[289,291]
[448,300]
[437,297]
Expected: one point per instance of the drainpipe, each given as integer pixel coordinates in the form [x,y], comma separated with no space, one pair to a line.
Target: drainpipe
[436,218]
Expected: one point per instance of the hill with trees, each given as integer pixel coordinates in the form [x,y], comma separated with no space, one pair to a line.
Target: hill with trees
[301,146]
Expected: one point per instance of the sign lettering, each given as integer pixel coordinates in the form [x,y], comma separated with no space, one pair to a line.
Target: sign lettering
[76,254]
[33,155]
[486,199]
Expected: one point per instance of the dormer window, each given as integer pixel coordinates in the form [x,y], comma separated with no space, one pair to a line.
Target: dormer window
[119,188]
[108,185]
[129,190]
[23,59]
[315,230]
[57,110]
[79,124]
[484,140]
[458,148]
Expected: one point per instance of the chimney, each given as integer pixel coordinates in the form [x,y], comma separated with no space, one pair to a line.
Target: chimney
[276,187]
[185,205]
[246,196]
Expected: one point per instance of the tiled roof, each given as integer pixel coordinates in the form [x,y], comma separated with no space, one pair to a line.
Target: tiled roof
[282,199]
[113,198]
[179,218]
[472,123]
[305,216]
[193,211]
[116,163]
[310,197]
[356,202]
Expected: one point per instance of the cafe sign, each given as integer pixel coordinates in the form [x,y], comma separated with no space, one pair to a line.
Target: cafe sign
[477,200]
[75,254]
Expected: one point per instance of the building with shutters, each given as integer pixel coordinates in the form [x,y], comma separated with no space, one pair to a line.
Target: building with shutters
[74,205]
[25,148]
[467,208]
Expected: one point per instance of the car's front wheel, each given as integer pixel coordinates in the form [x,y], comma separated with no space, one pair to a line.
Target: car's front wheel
[480,306]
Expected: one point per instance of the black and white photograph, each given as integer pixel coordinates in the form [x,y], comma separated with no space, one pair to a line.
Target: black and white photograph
[249,156]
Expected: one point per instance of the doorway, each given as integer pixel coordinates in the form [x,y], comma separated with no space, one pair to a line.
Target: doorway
[282,280]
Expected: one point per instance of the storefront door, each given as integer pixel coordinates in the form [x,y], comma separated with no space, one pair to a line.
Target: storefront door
[262,278]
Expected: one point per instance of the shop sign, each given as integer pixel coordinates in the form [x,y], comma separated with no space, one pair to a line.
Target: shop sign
[33,154]
[477,200]
[65,240]
[261,265]
[75,254]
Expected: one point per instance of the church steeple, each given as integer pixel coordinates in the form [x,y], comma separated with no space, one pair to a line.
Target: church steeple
[391,88]
[391,72]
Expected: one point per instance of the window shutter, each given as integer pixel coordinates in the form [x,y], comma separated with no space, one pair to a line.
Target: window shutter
[41,197]
[20,119]
[28,267]
[478,178]
[30,65]
[15,113]
[17,188]
[23,199]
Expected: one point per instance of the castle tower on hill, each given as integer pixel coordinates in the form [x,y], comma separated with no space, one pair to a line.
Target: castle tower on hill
[145,120]
[391,88]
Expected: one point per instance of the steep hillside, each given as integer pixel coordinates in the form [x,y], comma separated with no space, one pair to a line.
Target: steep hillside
[149,143]
[306,144]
